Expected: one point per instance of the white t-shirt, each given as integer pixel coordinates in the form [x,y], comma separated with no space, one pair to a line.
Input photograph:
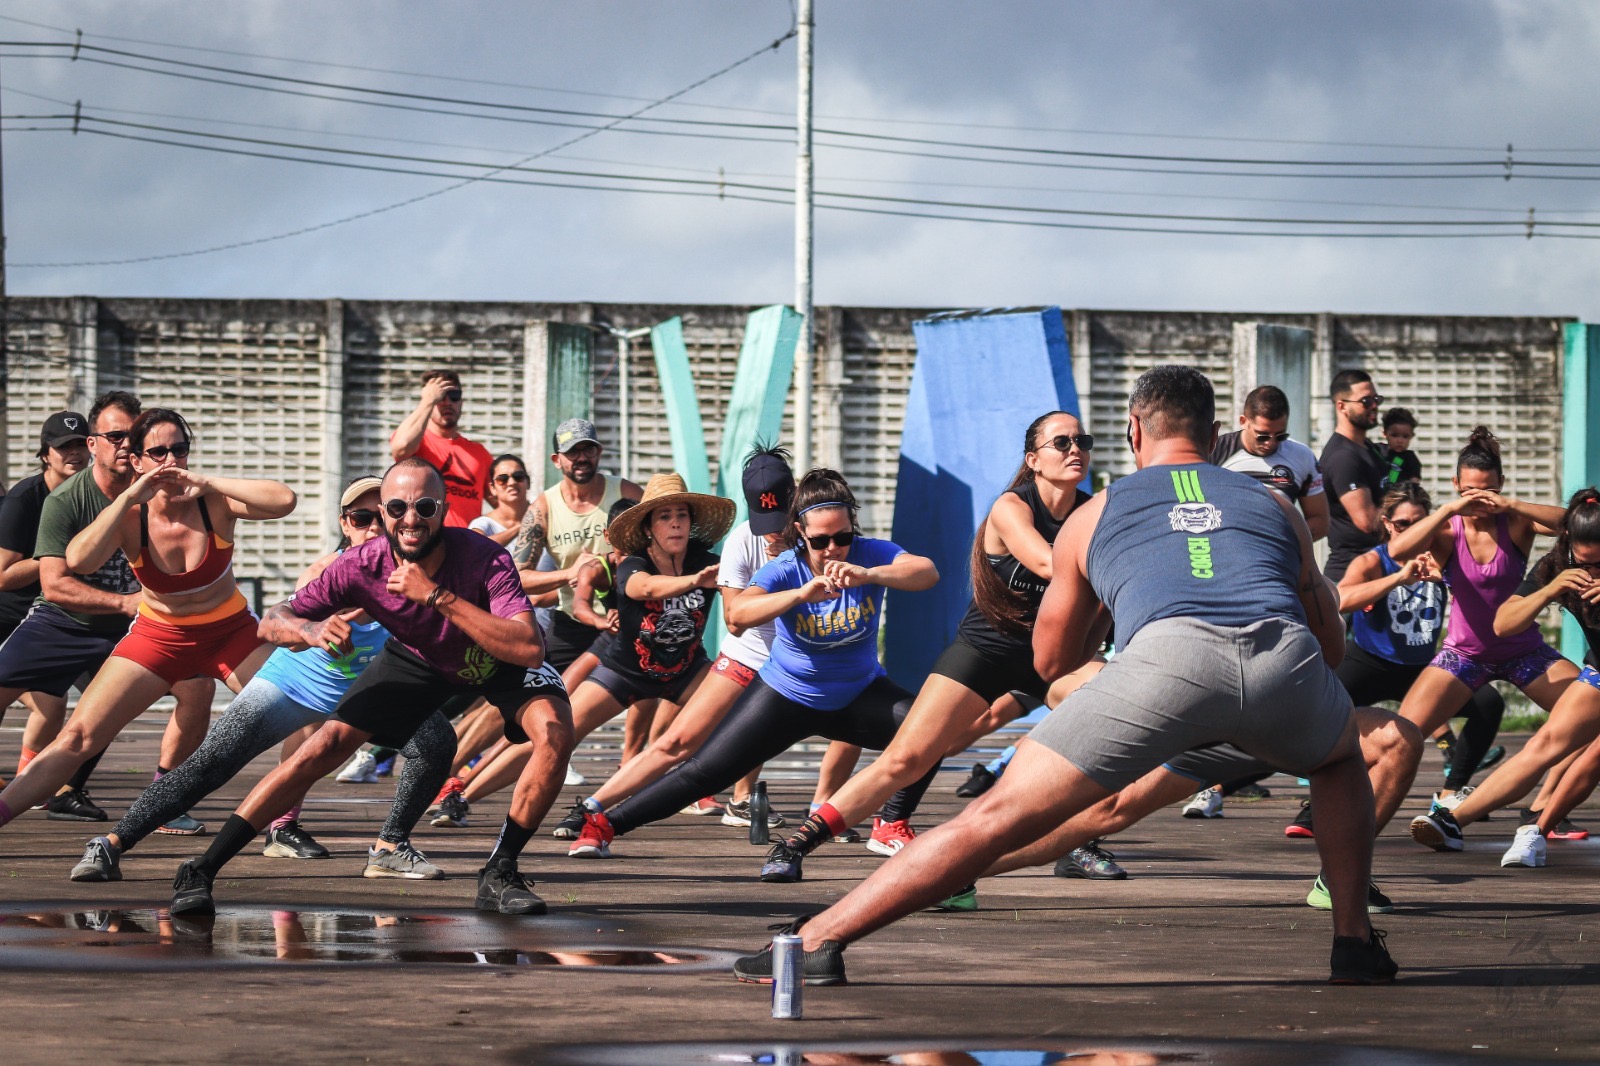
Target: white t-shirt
[743,553]
[1291,468]
[485,525]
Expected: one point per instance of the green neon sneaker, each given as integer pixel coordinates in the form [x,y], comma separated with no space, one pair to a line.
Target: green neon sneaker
[1377,902]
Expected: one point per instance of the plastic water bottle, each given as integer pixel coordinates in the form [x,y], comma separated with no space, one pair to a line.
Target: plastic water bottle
[758,814]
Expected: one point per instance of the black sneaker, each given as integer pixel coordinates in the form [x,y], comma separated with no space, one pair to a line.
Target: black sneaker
[73,805]
[979,782]
[570,826]
[1252,791]
[1437,830]
[501,888]
[824,966]
[1091,861]
[1301,826]
[291,841]
[452,812]
[191,891]
[782,865]
[1361,962]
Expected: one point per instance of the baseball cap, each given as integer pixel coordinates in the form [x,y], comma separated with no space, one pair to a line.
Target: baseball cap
[62,427]
[573,432]
[359,488]
[768,488]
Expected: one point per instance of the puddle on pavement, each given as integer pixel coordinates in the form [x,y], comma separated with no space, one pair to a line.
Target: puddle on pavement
[135,937]
[990,1053]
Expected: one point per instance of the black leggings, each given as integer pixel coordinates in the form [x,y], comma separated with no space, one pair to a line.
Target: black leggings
[763,725]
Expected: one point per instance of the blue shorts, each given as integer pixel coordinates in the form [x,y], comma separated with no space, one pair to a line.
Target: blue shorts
[1589,676]
[1521,671]
[49,651]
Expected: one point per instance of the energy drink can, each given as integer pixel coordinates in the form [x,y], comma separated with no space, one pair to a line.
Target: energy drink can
[788,962]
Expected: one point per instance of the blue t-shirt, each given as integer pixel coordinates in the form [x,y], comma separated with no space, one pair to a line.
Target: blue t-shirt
[315,678]
[825,654]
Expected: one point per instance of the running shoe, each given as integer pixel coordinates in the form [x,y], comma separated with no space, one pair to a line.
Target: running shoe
[1252,791]
[1438,830]
[889,837]
[184,825]
[1361,962]
[359,770]
[1090,861]
[384,768]
[191,891]
[453,784]
[594,842]
[1451,802]
[1377,902]
[965,900]
[100,862]
[737,813]
[291,841]
[501,888]
[704,806]
[451,812]
[782,865]
[1300,828]
[824,966]
[402,861]
[1206,804]
[73,805]
[1527,848]
[1566,830]
[574,779]
[570,826]
[849,836]
[977,783]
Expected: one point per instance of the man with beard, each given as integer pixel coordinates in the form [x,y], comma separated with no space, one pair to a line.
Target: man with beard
[569,520]
[432,432]
[460,626]
[1352,472]
[1261,448]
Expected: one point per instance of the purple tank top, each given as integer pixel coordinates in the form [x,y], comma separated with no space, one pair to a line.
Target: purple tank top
[1477,591]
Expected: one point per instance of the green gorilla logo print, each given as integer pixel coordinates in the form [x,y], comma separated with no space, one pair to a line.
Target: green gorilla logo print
[480,666]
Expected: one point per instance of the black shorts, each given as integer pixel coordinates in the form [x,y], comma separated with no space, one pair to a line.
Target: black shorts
[49,651]
[628,689]
[990,674]
[398,691]
[565,639]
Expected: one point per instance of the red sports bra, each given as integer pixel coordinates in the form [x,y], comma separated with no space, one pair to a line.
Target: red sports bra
[216,564]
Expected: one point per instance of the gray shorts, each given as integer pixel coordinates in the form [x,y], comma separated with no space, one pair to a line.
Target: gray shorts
[1182,684]
[1216,764]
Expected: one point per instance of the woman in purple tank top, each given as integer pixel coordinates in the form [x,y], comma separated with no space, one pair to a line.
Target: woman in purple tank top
[1482,540]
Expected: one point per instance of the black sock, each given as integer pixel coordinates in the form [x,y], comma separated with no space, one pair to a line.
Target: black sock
[81,778]
[513,838]
[811,835]
[234,836]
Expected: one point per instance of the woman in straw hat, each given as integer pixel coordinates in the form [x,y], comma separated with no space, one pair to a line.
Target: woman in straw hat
[823,677]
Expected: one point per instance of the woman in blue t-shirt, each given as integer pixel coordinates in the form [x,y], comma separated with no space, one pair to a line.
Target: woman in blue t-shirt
[823,677]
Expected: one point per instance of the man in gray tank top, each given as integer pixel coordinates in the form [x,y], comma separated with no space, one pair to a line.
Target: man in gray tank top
[1227,633]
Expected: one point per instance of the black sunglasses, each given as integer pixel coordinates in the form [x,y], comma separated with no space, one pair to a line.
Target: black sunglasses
[1270,438]
[426,508]
[1064,442]
[1369,402]
[115,436]
[160,452]
[506,479]
[838,540]
[453,395]
[1401,523]
[361,517]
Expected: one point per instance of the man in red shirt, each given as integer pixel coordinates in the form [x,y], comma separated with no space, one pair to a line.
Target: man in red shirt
[431,432]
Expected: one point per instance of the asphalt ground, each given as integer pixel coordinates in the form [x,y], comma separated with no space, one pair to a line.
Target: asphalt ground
[1207,953]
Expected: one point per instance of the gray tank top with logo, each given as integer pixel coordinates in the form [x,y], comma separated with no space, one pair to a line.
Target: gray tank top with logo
[1193,541]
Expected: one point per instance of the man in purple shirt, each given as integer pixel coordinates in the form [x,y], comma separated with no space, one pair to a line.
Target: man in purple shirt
[460,625]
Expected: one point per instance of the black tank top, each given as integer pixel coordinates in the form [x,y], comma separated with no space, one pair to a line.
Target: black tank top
[977,630]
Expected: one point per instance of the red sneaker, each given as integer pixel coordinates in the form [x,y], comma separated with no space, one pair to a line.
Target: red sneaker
[454,784]
[1565,830]
[703,806]
[594,841]
[889,837]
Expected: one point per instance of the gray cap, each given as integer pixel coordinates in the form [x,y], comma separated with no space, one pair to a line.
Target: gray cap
[573,432]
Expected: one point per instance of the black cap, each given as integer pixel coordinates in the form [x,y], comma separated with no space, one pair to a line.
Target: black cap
[62,427]
[768,488]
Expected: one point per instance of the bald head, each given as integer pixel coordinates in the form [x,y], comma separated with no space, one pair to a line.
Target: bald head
[419,473]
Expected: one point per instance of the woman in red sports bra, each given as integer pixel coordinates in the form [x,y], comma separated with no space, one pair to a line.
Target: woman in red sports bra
[176,527]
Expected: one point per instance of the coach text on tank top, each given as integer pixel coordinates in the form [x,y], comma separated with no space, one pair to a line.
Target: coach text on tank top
[1193,541]
[1479,590]
[570,533]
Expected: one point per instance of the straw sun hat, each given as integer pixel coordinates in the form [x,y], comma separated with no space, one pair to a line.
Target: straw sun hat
[712,516]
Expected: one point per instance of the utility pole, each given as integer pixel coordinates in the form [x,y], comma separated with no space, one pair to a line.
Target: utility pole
[5,320]
[803,236]
[625,337]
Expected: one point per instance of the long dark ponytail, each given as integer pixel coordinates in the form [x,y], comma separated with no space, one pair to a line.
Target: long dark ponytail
[1002,605]
[1580,525]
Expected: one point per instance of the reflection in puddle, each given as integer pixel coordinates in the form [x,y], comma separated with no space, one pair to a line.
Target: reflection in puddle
[992,1053]
[256,936]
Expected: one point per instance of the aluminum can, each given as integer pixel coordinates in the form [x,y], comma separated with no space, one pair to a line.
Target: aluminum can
[788,962]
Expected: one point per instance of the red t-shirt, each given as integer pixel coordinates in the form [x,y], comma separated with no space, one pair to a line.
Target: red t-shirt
[465,465]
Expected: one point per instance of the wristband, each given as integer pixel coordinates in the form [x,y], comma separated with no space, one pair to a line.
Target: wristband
[432,601]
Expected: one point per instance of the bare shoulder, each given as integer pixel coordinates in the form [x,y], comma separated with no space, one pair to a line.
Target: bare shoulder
[629,490]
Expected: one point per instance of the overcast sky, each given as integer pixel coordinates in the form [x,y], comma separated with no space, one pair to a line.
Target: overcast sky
[1424,82]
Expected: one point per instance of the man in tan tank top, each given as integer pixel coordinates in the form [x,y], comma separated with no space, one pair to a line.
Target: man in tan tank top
[568,520]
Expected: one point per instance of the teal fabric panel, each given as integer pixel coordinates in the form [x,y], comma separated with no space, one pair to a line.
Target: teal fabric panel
[1580,448]
[569,387]
[683,410]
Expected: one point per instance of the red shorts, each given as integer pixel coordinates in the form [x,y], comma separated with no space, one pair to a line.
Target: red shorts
[737,672]
[213,644]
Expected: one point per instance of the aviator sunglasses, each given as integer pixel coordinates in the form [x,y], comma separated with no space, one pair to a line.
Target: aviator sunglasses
[1064,442]
[160,452]
[519,476]
[1271,438]
[362,517]
[426,508]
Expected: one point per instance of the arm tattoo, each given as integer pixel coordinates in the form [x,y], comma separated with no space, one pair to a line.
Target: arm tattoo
[530,543]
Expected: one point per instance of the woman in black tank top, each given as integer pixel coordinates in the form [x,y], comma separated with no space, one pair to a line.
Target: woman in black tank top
[993,651]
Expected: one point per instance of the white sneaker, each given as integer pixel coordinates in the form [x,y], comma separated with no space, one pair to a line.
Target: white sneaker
[1527,848]
[1206,804]
[574,778]
[1452,801]
[360,770]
